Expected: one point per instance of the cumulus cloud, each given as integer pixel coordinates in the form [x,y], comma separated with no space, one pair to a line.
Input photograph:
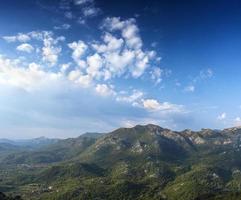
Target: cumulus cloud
[94,63]
[25,47]
[154,105]
[132,43]
[112,56]
[90,11]
[77,77]
[14,74]
[128,28]
[111,44]
[104,90]
[119,53]
[94,66]
[64,67]
[122,55]
[50,51]
[79,49]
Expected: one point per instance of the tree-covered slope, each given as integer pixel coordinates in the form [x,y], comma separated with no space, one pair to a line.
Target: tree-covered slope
[143,162]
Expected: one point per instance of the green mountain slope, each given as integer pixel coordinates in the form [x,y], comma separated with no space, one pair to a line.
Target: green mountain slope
[143,162]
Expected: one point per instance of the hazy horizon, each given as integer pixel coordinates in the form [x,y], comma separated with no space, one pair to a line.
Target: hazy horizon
[106,132]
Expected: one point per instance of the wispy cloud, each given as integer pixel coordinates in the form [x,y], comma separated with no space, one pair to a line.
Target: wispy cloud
[86,9]
[190,88]
[62,27]
[25,47]
[203,75]
[222,116]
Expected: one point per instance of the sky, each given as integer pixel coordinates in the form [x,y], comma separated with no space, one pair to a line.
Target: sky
[73,66]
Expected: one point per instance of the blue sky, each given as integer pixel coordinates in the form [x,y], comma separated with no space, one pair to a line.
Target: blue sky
[72,66]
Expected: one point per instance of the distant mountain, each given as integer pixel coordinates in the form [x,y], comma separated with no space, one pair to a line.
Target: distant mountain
[34,143]
[143,162]
[51,150]
[7,141]
[8,147]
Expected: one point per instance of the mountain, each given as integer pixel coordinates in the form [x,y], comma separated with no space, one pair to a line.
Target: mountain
[143,162]
[30,143]
[59,151]
[6,149]
[92,135]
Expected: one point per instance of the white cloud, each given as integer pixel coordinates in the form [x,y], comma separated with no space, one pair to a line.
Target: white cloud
[94,65]
[122,55]
[90,11]
[154,105]
[65,67]
[112,44]
[81,2]
[119,53]
[25,47]
[32,76]
[222,116]
[112,57]
[117,64]
[128,28]
[134,99]
[10,38]
[151,104]
[50,48]
[50,53]
[156,74]
[104,90]
[79,49]
[84,80]
[77,77]
[20,37]
[74,75]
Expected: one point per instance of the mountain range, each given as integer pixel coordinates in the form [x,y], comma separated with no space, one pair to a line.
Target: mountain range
[143,162]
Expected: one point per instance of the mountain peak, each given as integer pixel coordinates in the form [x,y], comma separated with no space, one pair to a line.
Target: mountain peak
[236,128]
[150,127]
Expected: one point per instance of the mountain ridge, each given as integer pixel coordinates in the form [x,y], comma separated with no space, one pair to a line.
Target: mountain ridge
[142,162]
